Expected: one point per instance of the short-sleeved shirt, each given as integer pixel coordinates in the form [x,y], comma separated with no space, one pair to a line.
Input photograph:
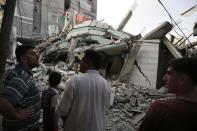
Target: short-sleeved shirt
[84,103]
[52,95]
[21,90]
[54,99]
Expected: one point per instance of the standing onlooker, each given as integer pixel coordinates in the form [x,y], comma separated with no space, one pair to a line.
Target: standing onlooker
[20,99]
[49,103]
[86,97]
[180,113]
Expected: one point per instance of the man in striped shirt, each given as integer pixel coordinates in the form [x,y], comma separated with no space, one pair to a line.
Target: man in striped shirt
[20,100]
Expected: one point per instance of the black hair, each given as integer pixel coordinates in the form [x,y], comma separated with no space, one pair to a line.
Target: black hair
[185,66]
[93,57]
[21,50]
[54,78]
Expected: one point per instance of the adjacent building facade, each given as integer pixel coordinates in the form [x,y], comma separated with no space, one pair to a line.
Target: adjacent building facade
[42,18]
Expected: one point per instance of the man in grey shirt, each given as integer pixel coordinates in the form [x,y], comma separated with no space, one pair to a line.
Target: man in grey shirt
[86,97]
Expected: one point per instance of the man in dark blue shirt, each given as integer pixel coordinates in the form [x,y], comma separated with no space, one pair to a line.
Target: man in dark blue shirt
[20,99]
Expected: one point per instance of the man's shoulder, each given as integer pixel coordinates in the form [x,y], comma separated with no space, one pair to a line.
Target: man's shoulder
[47,96]
[16,73]
[164,104]
[77,77]
[84,77]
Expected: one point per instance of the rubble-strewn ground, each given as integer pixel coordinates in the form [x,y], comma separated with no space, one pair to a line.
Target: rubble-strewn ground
[129,106]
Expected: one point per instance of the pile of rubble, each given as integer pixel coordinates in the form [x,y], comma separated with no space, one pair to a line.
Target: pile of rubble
[130,105]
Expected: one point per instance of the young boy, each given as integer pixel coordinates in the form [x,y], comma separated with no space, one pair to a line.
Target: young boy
[49,103]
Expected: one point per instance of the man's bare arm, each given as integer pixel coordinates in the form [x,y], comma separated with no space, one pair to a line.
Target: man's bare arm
[8,110]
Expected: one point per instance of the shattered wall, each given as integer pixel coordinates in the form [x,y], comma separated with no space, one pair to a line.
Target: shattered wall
[147,60]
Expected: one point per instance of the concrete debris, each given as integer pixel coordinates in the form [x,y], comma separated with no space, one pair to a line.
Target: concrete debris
[129,106]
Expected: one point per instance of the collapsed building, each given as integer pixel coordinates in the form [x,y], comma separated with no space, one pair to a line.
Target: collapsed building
[121,51]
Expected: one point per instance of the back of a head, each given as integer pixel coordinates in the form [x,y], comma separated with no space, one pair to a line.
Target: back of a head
[93,57]
[185,66]
[54,79]
[21,50]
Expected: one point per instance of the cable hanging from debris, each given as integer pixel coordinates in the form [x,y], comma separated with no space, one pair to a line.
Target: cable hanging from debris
[21,21]
[172,20]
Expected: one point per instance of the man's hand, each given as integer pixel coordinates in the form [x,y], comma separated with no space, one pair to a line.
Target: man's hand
[9,112]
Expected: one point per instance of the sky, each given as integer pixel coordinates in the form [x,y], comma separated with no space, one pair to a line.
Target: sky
[148,15]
